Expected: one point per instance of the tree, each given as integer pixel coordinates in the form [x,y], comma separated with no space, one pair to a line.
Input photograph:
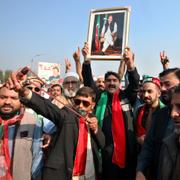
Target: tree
[1,77]
[6,74]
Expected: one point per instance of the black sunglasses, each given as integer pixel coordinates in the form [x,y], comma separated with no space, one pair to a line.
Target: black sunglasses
[36,89]
[77,102]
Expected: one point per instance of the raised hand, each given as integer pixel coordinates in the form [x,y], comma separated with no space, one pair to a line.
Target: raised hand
[77,55]
[92,122]
[68,65]
[129,58]
[46,139]
[85,50]
[14,80]
[164,60]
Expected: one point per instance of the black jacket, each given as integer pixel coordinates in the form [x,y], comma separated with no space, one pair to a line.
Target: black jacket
[59,164]
[127,98]
[162,126]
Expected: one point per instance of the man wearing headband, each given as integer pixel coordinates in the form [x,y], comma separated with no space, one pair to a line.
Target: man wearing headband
[162,126]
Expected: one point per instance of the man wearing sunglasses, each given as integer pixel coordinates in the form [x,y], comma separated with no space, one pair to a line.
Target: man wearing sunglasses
[115,117]
[75,153]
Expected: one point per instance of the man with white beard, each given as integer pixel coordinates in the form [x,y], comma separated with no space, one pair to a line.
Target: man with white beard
[71,85]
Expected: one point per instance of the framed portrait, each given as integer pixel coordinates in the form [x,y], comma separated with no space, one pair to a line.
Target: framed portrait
[108,33]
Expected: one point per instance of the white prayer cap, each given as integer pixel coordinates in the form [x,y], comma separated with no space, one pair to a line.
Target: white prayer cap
[100,77]
[71,74]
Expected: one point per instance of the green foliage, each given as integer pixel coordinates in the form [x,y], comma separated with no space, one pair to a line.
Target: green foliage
[1,76]
[6,74]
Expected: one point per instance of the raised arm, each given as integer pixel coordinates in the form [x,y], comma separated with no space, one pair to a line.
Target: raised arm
[76,57]
[164,60]
[133,75]
[36,102]
[121,70]
[67,65]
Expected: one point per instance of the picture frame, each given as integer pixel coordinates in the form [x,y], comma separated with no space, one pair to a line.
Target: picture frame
[108,33]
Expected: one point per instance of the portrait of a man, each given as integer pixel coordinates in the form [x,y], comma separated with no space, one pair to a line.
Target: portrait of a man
[107,33]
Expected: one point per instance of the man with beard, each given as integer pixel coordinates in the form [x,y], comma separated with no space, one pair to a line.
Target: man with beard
[169,79]
[71,84]
[169,161]
[20,133]
[75,153]
[100,83]
[151,88]
[115,117]
[162,126]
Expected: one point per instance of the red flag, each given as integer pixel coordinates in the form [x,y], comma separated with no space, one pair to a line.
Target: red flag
[97,43]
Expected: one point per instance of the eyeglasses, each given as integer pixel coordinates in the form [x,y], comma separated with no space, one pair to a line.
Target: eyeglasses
[77,102]
[36,89]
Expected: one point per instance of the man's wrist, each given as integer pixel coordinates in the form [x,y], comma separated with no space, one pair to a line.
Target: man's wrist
[25,93]
[86,61]
[131,68]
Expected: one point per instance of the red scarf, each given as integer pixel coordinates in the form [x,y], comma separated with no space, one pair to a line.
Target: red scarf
[140,130]
[118,132]
[5,144]
[81,150]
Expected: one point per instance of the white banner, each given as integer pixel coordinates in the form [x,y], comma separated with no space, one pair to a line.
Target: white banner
[49,71]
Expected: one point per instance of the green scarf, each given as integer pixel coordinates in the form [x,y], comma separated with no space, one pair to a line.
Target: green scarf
[101,107]
[1,130]
[161,104]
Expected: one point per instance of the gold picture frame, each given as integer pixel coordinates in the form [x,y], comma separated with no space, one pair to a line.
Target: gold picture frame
[108,33]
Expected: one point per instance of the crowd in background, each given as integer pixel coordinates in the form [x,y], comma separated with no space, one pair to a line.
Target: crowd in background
[89,127]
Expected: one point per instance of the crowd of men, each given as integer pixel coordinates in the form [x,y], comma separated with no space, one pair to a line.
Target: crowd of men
[92,129]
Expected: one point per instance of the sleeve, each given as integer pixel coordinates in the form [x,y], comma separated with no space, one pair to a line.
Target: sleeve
[48,126]
[132,88]
[87,75]
[37,153]
[145,157]
[99,138]
[165,164]
[45,108]
[88,78]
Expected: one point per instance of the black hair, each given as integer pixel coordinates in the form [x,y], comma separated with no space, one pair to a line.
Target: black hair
[112,73]
[86,92]
[56,85]
[176,71]
[177,89]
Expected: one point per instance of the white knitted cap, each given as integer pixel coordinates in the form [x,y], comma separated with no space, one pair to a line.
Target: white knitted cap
[71,74]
